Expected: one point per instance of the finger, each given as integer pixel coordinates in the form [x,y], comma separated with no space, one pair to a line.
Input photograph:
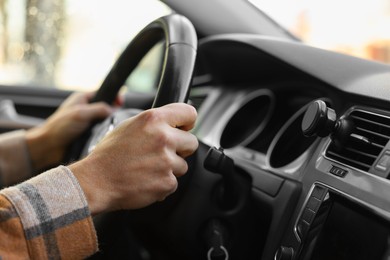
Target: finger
[186,143]
[180,115]
[72,99]
[95,111]
[119,101]
[90,95]
[180,166]
[170,184]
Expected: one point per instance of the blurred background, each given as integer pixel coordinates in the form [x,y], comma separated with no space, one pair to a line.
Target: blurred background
[359,28]
[71,44]
[68,44]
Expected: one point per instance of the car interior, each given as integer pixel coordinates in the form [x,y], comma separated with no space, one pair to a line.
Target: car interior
[294,154]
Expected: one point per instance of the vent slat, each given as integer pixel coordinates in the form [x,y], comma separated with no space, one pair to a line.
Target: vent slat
[352,162]
[372,121]
[362,153]
[373,133]
[365,140]
[369,137]
[378,145]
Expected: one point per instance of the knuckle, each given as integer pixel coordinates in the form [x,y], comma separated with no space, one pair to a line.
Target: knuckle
[151,116]
[166,162]
[161,139]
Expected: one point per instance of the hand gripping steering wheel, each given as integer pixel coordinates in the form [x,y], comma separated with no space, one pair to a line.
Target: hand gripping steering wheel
[177,68]
[176,75]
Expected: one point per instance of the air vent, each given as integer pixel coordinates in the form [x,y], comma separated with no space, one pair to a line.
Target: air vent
[370,135]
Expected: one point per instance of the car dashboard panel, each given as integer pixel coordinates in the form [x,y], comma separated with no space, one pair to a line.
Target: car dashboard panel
[252,93]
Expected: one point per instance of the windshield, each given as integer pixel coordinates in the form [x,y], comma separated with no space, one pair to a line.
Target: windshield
[359,28]
[68,44]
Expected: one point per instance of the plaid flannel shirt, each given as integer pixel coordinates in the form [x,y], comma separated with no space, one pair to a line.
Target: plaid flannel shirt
[46,217]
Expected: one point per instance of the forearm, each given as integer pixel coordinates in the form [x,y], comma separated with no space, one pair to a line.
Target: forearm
[15,163]
[25,152]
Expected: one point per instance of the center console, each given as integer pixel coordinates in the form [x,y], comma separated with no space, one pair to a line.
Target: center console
[333,226]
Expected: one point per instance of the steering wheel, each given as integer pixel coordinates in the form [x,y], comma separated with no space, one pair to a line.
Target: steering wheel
[176,75]
[174,84]
[180,53]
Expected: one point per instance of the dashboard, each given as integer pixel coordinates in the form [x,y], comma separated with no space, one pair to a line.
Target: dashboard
[318,197]
[293,159]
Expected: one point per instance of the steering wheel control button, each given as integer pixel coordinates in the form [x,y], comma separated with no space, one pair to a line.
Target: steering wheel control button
[340,172]
[318,120]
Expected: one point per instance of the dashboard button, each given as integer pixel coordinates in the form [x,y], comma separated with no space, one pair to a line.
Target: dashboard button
[308,215]
[319,192]
[384,162]
[313,204]
[302,229]
[338,171]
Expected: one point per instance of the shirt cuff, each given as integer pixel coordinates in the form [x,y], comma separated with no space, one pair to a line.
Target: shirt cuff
[55,216]
[15,161]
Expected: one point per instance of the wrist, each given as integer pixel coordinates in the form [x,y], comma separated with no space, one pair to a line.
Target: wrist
[98,200]
[42,148]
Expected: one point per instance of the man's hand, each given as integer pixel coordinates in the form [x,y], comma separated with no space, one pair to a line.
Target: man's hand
[137,164]
[48,143]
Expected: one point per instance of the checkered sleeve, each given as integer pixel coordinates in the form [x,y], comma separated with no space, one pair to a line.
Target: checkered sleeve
[46,217]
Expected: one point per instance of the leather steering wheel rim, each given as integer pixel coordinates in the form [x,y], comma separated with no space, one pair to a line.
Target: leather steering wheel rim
[179,60]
